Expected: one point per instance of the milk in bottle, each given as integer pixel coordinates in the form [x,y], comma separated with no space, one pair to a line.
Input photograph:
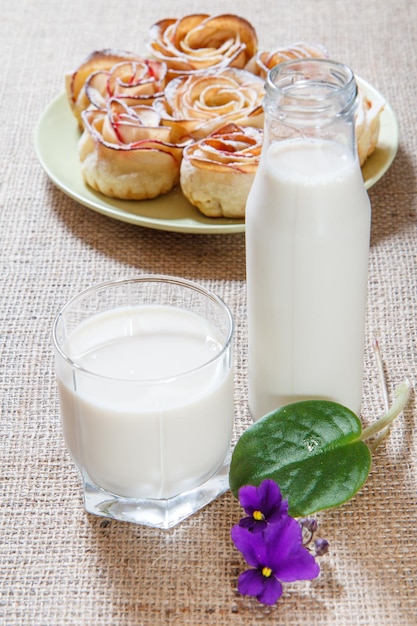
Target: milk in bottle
[307,243]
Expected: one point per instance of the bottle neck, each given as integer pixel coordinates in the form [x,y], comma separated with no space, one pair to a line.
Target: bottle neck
[311,99]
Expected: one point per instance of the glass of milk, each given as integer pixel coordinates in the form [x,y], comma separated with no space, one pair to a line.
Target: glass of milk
[145,378]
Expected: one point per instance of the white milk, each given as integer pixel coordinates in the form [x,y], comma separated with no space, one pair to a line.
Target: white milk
[307,245]
[147,439]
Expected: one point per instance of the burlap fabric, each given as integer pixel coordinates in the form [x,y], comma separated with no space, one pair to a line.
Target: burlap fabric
[59,565]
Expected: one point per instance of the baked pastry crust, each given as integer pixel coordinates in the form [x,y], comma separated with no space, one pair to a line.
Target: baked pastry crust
[217,172]
[125,154]
[367,124]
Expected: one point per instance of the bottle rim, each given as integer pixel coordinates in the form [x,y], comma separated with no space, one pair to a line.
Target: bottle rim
[314,87]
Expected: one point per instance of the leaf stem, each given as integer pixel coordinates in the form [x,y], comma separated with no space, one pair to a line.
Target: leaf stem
[402,394]
[381,373]
[384,388]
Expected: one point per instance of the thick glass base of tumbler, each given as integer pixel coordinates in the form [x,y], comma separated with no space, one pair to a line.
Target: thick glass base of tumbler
[156,513]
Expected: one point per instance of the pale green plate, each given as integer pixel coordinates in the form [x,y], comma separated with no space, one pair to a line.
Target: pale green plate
[56,140]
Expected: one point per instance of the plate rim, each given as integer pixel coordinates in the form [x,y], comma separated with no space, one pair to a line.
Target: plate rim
[214,225]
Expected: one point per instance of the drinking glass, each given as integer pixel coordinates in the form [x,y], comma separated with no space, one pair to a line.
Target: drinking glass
[144,370]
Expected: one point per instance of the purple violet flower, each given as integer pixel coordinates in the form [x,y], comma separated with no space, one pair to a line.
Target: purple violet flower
[276,555]
[264,505]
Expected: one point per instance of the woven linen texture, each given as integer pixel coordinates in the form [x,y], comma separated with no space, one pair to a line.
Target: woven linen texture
[60,566]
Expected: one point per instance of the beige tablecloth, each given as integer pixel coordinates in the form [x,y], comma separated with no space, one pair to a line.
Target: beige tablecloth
[59,565]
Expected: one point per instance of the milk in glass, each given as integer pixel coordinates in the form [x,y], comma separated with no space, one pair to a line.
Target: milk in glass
[148,411]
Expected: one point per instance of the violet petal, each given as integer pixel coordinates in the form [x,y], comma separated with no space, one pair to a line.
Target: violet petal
[255,526]
[251,583]
[272,590]
[251,545]
[287,557]
[269,495]
[248,499]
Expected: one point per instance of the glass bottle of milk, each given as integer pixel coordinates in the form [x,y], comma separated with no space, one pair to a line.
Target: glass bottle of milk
[307,242]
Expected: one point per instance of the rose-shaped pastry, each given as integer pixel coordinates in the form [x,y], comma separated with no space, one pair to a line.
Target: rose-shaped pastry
[125,154]
[195,106]
[262,62]
[367,124]
[133,82]
[217,172]
[198,42]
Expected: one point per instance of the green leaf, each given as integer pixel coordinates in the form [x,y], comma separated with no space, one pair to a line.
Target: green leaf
[312,450]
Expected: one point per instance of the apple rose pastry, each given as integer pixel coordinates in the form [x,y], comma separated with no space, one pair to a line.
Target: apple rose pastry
[195,106]
[134,82]
[126,154]
[94,62]
[262,62]
[217,171]
[197,42]
[367,124]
